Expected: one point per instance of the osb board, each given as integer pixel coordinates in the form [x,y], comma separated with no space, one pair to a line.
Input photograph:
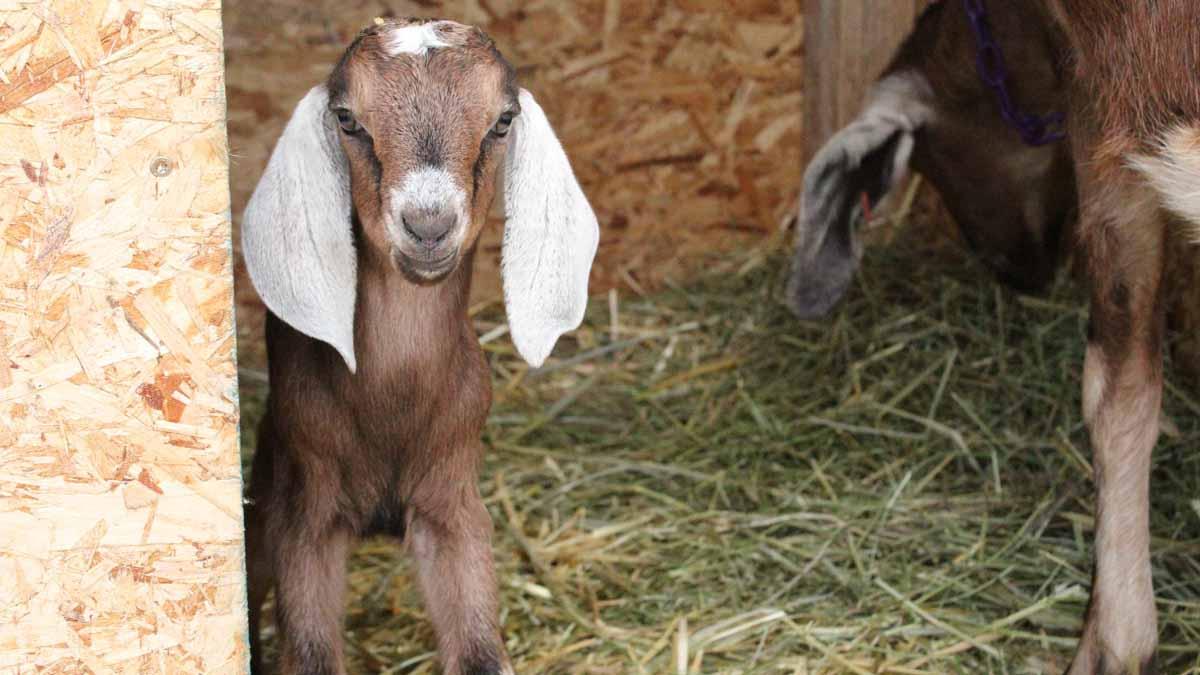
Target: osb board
[120,511]
[682,117]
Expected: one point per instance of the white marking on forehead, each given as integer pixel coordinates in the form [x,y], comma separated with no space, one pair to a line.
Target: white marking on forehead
[416,39]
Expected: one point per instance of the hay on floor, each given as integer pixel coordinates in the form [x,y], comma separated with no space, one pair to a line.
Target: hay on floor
[699,483]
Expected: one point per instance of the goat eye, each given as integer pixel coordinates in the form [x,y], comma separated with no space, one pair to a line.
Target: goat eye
[503,124]
[346,121]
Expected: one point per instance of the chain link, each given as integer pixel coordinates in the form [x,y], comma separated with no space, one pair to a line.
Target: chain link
[989,60]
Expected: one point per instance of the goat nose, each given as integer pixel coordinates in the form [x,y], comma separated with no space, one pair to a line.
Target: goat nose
[428,226]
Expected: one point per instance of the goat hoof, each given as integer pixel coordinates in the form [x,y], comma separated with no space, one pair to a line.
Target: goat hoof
[487,666]
[1090,660]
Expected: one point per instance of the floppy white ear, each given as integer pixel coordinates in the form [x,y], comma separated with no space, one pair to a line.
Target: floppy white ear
[296,231]
[550,237]
[867,157]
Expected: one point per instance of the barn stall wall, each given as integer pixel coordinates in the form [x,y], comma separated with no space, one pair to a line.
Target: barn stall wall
[120,489]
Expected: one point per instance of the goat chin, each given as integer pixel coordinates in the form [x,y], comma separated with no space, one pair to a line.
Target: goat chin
[425,272]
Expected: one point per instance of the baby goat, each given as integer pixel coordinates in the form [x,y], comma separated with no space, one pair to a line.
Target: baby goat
[360,238]
[1130,88]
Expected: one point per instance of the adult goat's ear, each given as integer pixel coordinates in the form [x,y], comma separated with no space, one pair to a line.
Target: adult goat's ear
[550,237]
[867,157]
[296,232]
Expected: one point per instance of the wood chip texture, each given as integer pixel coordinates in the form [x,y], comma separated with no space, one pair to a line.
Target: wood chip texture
[120,510]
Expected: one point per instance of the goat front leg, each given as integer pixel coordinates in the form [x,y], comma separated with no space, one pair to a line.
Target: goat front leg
[449,534]
[260,563]
[260,576]
[1122,392]
[310,572]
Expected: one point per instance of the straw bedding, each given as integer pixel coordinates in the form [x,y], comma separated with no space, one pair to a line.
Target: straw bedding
[697,482]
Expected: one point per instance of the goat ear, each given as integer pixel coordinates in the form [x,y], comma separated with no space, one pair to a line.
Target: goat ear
[550,237]
[296,232]
[867,157]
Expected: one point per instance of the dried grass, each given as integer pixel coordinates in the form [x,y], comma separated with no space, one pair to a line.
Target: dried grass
[699,483]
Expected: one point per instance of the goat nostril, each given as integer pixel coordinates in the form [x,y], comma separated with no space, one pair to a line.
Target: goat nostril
[408,228]
[428,229]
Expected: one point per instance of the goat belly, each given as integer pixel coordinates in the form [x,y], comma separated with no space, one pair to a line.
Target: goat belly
[387,520]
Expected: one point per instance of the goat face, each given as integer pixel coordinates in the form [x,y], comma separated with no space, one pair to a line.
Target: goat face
[407,138]
[931,112]
[423,110]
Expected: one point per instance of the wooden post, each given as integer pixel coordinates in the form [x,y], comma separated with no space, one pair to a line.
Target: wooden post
[120,486]
[847,44]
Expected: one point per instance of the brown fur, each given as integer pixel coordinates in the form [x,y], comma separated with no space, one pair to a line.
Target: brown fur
[436,113]
[395,448]
[1134,68]
[1015,204]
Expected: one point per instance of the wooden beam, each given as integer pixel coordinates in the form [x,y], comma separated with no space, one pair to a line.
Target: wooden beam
[847,44]
[120,484]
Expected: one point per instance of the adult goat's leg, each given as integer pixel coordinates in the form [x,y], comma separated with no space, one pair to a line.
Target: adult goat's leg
[450,537]
[1124,237]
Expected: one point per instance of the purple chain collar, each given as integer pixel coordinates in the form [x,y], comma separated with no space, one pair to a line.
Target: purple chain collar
[1035,130]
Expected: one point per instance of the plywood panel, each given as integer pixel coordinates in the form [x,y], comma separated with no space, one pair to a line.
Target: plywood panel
[120,511]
